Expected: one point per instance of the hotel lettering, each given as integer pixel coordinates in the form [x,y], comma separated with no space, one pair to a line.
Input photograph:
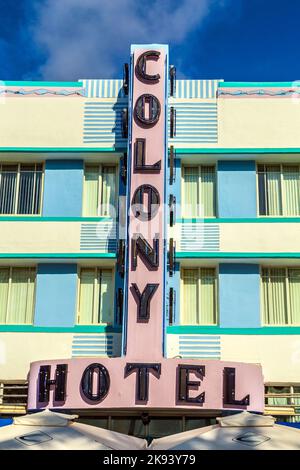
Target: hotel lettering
[143,377]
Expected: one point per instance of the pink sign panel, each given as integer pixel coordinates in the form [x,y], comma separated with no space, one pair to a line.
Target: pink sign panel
[206,384]
[144,377]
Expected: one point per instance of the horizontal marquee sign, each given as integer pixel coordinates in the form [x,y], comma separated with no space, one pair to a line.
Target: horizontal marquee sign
[169,383]
[143,376]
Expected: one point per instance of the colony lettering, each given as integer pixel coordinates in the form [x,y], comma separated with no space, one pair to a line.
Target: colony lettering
[143,377]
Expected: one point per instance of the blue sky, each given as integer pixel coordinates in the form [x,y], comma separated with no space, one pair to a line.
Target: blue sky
[237,40]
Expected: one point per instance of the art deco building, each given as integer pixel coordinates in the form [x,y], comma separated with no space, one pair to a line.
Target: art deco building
[231,197]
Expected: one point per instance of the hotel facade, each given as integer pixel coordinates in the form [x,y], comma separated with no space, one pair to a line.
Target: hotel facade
[149,248]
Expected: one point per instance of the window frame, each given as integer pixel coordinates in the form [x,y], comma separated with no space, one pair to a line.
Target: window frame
[96,268]
[282,196]
[100,166]
[34,268]
[216,295]
[183,166]
[287,290]
[18,164]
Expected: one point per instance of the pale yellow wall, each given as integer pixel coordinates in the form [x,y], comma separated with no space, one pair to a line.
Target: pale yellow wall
[254,237]
[41,122]
[257,122]
[41,237]
[18,350]
[260,237]
[58,122]
[279,355]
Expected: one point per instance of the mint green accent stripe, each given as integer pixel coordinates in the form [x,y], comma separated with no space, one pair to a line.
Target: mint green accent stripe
[37,218]
[75,329]
[56,255]
[183,151]
[44,84]
[198,254]
[265,330]
[62,149]
[260,220]
[257,84]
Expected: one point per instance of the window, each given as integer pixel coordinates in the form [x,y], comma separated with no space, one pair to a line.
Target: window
[17,286]
[198,192]
[20,188]
[198,304]
[281,396]
[99,192]
[96,296]
[13,393]
[279,190]
[281,296]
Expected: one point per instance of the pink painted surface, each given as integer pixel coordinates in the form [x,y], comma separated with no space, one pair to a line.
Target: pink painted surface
[144,340]
[162,391]
[255,92]
[33,92]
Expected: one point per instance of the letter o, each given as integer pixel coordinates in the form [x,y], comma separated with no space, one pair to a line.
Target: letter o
[154,110]
[103,382]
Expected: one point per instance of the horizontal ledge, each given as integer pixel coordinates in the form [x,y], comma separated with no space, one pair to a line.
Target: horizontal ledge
[37,218]
[202,330]
[78,84]
[198,254]
[57,255]
[258,84]
[260,219]
[49,329]
[192,150]
[63,149]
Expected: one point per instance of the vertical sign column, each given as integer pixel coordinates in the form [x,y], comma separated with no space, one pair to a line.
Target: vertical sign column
[147,153]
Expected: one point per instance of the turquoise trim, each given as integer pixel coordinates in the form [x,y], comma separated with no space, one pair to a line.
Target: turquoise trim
[38,218]
[46,329]
[261,220]
[57,255]
[264,330]
[258,84]
[202,150]
[198,254]
[63,149]
[44,84]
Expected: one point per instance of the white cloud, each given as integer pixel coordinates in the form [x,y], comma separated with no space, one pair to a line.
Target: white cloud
[91,38]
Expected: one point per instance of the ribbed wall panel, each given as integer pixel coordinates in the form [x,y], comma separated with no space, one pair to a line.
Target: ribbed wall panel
[100,236]
[199,237]
[89,345]
[199,347]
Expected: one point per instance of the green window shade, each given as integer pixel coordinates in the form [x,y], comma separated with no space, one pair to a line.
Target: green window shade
[198,297]
[190,181]
[86,296]
[90,192]
[273,187]
[199,191]
[294,294]
[4,278]
[296,400]
[96,297]
[207,185]
[108,190]
[291,195]
[274,296]
[190,297]
[207,296]
[106,297]
[21,296]
[278,401]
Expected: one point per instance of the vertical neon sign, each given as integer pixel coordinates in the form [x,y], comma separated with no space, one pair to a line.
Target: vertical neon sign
[146,237]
